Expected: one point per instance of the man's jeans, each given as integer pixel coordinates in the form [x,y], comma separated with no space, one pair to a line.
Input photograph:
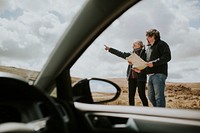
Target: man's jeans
[156,89]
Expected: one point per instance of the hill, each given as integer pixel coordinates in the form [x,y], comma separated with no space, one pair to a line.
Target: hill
[178,95]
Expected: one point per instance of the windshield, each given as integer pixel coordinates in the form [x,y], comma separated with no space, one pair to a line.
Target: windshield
[29,32]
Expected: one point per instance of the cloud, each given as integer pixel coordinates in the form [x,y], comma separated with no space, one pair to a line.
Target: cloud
[30,30]
[178,23]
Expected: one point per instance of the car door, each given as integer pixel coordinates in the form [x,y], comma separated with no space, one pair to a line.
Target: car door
[118,117]
[99,117]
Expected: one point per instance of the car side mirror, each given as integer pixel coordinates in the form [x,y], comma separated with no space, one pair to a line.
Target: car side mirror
[95,90]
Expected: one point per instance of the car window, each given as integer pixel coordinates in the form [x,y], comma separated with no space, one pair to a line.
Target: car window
[30,31]
[179,25]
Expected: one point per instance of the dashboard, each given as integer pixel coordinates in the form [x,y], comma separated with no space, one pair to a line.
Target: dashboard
[26,108]
[22,111]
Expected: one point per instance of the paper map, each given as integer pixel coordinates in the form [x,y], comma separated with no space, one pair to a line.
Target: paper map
[137,62]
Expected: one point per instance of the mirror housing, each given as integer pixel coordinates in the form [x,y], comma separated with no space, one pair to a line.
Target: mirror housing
[95,90]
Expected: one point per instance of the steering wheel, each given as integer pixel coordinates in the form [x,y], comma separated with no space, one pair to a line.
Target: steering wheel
[14,90]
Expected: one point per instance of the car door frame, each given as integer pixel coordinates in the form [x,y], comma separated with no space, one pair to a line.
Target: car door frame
[126,119]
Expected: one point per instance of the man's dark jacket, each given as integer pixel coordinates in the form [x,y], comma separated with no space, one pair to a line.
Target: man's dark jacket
[140,76]
[160,56]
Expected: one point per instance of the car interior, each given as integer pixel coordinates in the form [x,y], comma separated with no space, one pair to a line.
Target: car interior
[29,106]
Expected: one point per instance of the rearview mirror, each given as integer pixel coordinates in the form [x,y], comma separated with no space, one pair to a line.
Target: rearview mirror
[95,90]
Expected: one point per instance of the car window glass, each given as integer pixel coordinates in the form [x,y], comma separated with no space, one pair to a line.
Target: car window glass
[30,31]
[179,25]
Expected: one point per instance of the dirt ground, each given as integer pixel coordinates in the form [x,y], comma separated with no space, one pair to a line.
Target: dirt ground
[178,95]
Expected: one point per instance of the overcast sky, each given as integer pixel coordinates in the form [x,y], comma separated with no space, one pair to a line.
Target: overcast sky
[179,24]
[29,40]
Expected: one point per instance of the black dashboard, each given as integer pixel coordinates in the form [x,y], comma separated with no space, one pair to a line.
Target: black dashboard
[22,111]
[26,107]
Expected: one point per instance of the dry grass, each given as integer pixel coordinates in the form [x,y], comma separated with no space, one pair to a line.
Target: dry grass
[178,95]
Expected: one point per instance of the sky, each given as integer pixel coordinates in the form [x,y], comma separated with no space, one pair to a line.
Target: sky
[30,30]
[179,24]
